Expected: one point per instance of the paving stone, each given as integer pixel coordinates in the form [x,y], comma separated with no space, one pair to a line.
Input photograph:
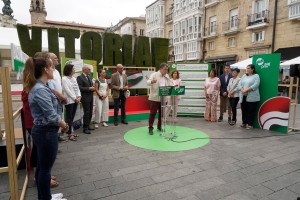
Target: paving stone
[95,177]
[109,182]
[283,181]
[256,192]
[233,176]
[295,188]
[133,169]
[287,158]
[148,173]
[175,174]
[283,195]
[202,185]
[169,195]
[270,174]
[223,190]
[127,186]
[94,194]
[255,169]
[193,197]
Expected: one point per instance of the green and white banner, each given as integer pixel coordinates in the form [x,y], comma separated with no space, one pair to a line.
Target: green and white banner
[18,59]
[273,111]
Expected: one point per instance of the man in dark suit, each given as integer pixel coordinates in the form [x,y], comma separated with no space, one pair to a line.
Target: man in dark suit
[119,85]
[224,79]
[85,84]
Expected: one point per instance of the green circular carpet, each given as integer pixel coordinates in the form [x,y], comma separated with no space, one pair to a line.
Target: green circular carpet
[139,137]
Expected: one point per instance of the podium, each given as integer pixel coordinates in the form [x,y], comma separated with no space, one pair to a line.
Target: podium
[164,92]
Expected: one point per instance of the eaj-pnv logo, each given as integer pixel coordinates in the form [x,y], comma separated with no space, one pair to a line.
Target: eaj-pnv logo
[274,114]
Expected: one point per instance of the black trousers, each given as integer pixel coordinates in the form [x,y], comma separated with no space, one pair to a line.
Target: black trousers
[233,103]
[87,113]
[70,114]
[248,111]
[121,101]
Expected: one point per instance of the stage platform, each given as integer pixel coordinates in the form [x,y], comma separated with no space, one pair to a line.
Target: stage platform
[137,108]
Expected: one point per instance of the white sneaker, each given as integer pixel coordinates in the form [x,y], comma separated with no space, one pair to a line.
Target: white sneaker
[57,196]
[96,126]
[104,124]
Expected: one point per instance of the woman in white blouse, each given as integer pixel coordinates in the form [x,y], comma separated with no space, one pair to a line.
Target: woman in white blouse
[101,101]
[73,95]
[174,81]
[233,93]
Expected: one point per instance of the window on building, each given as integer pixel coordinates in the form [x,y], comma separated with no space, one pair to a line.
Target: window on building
[234,18]
[258,36]
[195,24]
[212,25]
[231,42]
[190,25]
[183,27]
[141,32]
[211,45]
[176,29]
[259,9]
[192,47]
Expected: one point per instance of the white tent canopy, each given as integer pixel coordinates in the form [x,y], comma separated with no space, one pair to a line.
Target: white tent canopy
[242,64]
[293,61]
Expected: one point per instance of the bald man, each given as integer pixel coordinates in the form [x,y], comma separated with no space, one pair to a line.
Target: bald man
[85,84]
[119,84]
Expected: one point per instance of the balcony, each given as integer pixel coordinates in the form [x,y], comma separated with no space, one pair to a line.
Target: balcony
[210,32]
[169,18]
[192,55]
[294,9]
[210,3]
[193,36]
[258,20]
[231,27]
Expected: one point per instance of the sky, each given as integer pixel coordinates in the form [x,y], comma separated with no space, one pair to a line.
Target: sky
[91,12]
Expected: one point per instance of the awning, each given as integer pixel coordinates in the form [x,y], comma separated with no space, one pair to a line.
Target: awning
[242,64]
[288,53]
[294,61]
[221,58]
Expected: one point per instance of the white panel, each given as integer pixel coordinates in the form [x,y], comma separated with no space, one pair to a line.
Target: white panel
[192,102]
[191,66]
[194,93]
[193,75]
[192,110]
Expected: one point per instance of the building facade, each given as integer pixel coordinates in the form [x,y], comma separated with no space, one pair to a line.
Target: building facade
[134,26]
[235,30]
[187,28]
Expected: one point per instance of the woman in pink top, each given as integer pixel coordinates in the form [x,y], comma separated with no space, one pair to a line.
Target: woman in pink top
[175,81]
[212,89]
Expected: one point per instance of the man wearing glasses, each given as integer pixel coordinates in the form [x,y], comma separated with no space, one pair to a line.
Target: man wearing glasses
[157,79]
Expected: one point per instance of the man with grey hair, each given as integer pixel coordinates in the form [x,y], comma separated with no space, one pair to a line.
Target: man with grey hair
[119,85]
[156,79]
[87,89]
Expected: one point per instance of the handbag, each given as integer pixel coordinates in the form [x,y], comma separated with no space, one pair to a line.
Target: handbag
[127,93]
[77,124]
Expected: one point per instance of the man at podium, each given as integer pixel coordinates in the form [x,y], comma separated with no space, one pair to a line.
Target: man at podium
[156,79]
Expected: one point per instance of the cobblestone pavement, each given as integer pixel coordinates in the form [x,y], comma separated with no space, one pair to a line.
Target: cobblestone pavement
[103,166]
